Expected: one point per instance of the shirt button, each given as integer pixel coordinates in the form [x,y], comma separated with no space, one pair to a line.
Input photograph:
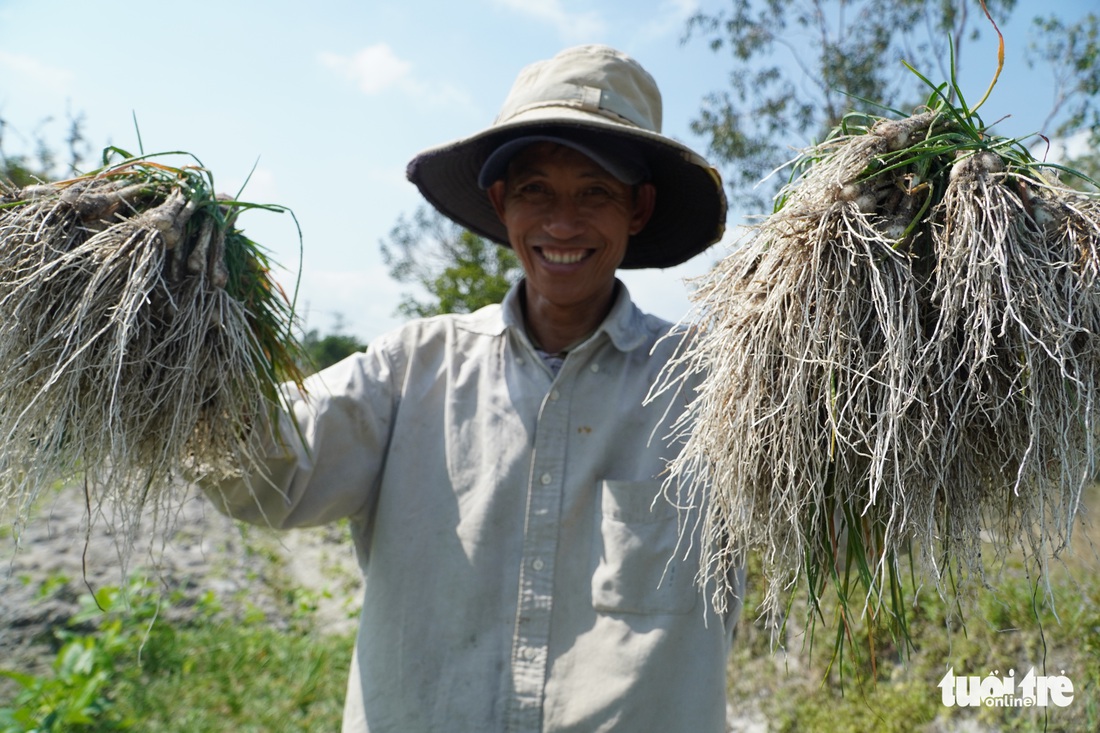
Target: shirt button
[538,564]
[554,395]
[546,479]
[519,360]
[595,368]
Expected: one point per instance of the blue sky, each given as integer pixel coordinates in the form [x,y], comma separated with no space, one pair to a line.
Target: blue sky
[330,99]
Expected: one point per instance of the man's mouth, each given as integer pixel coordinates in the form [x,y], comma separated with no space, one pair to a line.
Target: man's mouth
[563,256]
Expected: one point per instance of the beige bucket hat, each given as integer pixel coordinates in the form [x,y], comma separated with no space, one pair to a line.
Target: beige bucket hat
[599,99]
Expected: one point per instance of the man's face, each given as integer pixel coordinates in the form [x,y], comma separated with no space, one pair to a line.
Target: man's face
[568,221]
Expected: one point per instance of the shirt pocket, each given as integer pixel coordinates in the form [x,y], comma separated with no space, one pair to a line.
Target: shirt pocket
[640,566]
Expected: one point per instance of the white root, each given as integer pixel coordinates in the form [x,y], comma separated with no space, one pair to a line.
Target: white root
[34,191]
[163,217]
[920,370]
[117,368]
[218,273]
[196,261]
[174,234]
[900,134]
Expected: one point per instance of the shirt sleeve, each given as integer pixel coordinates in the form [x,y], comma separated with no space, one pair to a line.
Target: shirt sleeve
[323,459]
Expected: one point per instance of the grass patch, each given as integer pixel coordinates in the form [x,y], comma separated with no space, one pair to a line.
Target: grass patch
[120,665]
[875,684]
[237,678]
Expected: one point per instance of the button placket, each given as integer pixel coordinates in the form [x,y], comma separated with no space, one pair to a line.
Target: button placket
[530,645]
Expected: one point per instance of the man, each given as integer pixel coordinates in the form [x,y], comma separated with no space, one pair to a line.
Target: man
[501,470]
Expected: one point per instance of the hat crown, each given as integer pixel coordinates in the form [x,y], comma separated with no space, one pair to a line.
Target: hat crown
[596,79]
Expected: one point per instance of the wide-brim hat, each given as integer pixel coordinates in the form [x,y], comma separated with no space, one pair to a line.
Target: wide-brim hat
[592,94]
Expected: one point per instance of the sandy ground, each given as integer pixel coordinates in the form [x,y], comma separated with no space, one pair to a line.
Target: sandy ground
[58,560]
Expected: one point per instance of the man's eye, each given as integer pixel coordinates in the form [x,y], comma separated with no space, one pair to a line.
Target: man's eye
[532,189]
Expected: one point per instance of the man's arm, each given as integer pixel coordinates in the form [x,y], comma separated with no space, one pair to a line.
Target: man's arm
[324,452]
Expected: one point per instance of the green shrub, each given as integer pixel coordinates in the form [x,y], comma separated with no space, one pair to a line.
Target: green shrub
[121,666]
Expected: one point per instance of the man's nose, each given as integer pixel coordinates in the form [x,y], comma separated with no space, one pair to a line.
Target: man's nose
[564,219]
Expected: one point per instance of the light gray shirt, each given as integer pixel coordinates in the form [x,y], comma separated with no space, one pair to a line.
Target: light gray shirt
[523,570]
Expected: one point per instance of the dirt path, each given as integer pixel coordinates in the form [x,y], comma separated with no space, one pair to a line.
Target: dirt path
[58,560]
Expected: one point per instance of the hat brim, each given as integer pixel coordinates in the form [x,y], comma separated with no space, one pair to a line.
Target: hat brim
[690,210]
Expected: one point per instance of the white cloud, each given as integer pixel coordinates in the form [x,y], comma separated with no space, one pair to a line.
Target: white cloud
[363,298]
[31,69]
[374,69]
[445,95]
[259,187]
[387,178]
[1077,145]
[670,20]
[580,26]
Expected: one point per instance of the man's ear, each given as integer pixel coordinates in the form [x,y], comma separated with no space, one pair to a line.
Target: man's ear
[496,198]
[645,198]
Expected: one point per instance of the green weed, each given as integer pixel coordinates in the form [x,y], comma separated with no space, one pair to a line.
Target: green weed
[120,666]
[1022,620]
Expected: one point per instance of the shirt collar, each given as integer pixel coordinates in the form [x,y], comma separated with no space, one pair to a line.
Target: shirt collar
[624,325]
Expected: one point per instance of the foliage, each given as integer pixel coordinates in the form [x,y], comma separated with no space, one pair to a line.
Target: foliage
[1073,53]
[801,687]
[240,677]
[780,95]
[460,271]
[77,697]
[324,351]
[122,666]
[24,170]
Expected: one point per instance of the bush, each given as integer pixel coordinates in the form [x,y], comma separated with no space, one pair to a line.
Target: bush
[121,666]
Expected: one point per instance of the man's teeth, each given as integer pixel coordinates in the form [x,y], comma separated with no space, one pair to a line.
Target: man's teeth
[563,258]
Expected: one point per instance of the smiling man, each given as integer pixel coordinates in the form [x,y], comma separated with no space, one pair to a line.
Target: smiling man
[502,469]
[569,221]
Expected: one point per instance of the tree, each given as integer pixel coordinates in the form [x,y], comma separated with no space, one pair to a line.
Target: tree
[458,269]
[324,351]
[22,169]
[1073,54]
[783,95]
